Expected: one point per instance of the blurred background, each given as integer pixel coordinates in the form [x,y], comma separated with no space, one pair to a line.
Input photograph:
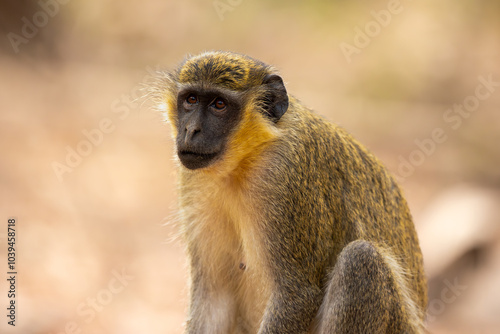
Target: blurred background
[87,166]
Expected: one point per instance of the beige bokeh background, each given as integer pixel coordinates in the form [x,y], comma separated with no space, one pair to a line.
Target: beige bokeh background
[111,213]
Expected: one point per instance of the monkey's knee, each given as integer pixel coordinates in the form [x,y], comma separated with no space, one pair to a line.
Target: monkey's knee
[361,296]
[362,262]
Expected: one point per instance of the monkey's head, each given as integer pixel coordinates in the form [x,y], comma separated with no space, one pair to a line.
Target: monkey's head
[222,106]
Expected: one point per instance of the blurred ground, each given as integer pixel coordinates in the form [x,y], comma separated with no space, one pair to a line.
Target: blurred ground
[93,250]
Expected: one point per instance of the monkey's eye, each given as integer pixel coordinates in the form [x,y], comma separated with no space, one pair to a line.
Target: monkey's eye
[219,104]
[192,99]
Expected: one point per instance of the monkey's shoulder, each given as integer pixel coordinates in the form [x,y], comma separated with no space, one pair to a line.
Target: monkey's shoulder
[313,139]
[314,154]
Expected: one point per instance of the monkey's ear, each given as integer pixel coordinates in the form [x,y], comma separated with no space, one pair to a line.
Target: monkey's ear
[276,99]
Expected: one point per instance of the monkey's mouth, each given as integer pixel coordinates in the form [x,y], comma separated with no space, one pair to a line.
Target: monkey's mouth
[195,160]
[197,155]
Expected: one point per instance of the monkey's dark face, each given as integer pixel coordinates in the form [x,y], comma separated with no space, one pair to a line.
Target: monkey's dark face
[206,117]
[225,103]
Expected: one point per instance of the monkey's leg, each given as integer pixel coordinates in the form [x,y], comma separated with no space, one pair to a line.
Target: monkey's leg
[367,294]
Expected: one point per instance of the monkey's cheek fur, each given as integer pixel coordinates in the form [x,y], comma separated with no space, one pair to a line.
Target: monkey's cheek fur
[194,160]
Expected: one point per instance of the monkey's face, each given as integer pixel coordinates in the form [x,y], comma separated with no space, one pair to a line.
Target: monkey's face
[223,106]
[205,119]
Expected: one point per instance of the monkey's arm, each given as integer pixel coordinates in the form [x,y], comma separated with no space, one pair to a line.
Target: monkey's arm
[298,237]
[297,267]
[212,307]
[291,309]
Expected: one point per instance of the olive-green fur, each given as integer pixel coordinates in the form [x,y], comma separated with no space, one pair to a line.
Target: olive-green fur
[327,190]
[223,69]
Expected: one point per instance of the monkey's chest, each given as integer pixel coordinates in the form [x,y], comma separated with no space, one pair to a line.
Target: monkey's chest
[252,295]
[231,253]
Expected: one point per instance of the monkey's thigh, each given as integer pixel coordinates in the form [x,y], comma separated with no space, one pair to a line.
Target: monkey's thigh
[362,295]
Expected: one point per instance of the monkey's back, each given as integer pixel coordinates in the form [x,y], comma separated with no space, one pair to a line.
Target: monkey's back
[353,197]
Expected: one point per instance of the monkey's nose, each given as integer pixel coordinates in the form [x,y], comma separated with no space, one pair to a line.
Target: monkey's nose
[191,131]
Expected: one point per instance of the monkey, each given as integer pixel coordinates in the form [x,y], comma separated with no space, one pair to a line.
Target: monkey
[290,224]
